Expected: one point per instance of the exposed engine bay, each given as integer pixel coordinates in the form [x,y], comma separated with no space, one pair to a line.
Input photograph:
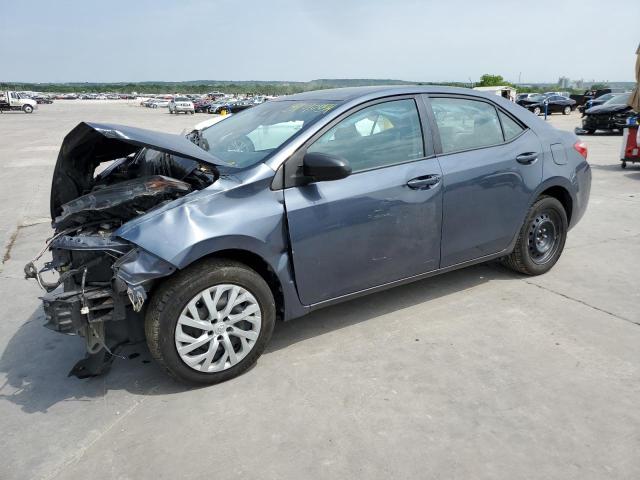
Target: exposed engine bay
[106,176]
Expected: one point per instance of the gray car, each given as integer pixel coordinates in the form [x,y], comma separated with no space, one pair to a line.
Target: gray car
[200,243]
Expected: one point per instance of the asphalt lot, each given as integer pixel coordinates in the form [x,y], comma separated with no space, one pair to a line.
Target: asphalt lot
[476,374]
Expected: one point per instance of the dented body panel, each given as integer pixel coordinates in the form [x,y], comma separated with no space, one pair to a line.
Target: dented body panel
[164,203]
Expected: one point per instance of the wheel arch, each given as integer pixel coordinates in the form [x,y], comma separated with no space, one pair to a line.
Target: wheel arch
[261,267]
[561,189]
[561,194]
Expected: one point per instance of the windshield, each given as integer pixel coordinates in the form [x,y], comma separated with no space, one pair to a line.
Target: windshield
[537,98]
[182,99]
[605,97]
[252,135]
[618,100]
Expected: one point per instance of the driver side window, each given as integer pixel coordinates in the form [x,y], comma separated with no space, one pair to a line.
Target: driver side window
[377,136]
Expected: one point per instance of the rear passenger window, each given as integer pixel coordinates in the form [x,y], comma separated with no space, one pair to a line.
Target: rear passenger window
[466,124]
[384,134]
[510,128]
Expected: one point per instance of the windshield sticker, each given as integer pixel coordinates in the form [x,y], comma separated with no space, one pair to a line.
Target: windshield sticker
[311,107]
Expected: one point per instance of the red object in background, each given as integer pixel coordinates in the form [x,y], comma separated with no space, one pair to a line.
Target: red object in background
[631,149]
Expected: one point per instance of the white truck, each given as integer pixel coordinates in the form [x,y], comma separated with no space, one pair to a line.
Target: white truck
[13,101]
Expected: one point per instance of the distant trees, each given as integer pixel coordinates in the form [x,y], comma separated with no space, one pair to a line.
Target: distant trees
[488,80]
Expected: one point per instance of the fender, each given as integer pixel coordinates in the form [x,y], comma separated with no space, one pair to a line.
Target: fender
[248,217]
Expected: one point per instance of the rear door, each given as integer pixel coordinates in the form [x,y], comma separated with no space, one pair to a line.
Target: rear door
[491,164]
[380,224]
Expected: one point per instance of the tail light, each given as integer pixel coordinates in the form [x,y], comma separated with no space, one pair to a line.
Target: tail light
[581,148]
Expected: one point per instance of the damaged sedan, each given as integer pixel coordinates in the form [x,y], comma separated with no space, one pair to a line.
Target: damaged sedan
[199,243]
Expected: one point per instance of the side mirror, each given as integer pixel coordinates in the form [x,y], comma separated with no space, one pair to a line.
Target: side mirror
[321,167]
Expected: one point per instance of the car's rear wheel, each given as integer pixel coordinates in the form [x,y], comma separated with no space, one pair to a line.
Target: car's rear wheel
[541,239]
[566,110]
[210,322]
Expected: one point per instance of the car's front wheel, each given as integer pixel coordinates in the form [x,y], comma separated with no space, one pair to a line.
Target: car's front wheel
[541,239]
[566,110]
[210,322]
[537,111]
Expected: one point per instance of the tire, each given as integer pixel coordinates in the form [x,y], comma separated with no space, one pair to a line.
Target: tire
[27,108]
[537,111]
[566,110]
[164,321]
[624,165]
[546,217]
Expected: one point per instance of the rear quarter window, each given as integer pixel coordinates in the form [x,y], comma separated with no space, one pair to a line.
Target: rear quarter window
[510,127]
[465,124]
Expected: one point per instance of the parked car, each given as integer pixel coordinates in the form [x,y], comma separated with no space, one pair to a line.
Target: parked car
[553,103]
[11,100]
[562,94]
[610,116]
[220,106]
[589,95]
[290,206]
[181,105]
[596,101]
[159,103]
[41,99]
[229,106]
[525,96]
[202,105]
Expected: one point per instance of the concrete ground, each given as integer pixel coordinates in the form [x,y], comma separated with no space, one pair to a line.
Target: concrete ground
[479,373]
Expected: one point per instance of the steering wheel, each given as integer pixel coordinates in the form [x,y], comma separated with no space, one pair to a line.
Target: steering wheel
[240,144]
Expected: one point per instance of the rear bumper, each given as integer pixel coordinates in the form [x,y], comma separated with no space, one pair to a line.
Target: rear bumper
[583,192]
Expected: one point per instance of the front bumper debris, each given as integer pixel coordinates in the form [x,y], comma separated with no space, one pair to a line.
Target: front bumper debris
[100,294]
[72,312]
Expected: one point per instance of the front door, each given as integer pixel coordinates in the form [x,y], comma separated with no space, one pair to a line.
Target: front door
[491,164]
[380,224]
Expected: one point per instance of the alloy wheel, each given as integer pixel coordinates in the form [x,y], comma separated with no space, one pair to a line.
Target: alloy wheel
[218,328]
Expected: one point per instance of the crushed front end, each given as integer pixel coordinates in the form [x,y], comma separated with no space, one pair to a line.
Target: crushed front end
[97,283]
[100,291]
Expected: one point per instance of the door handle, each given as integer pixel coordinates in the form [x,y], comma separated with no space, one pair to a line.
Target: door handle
[527,158]
[423,183]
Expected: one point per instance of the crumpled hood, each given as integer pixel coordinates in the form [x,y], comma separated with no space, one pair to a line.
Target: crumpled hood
[607,109]
[89,144]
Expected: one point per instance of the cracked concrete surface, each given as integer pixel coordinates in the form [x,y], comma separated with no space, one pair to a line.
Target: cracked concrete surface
[478,373]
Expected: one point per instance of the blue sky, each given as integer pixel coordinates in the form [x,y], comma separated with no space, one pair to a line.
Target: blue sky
[446,40]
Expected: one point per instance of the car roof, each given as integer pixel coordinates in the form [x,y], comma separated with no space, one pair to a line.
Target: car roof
[353,93]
